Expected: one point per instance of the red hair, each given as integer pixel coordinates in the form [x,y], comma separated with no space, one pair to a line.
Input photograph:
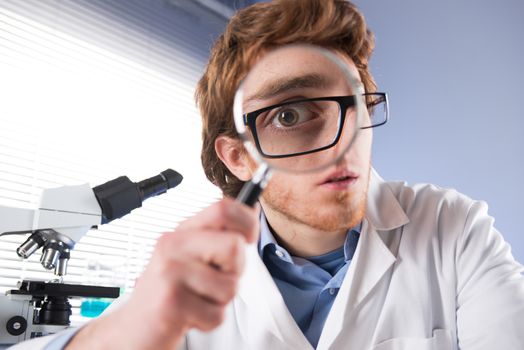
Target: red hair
[333,24]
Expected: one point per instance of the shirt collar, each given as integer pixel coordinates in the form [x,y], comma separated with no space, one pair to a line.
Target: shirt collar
[267,239]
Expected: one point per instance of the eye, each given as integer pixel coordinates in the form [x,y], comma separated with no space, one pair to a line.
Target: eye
[288,117]
[292,115]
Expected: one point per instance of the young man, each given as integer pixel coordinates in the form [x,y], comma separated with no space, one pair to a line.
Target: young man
[338,259]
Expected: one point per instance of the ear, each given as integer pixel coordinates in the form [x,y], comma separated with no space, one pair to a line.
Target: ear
[233,154]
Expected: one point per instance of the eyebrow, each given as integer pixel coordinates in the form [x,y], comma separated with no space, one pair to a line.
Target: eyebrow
[280,86]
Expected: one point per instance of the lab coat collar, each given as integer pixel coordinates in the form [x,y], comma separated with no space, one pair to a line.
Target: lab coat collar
[383,210]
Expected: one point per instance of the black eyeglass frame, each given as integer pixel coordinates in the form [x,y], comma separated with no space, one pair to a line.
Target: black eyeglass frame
[344,103]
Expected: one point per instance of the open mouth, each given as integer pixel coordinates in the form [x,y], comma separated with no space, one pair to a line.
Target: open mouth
[340,179]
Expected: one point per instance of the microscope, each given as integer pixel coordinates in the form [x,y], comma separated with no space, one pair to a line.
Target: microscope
[64,215]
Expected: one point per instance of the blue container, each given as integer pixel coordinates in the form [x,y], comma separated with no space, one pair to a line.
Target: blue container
[94,307]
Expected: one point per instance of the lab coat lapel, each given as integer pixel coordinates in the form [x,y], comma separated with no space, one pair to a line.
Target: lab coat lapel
[372,259]
[266,307]
[378,240]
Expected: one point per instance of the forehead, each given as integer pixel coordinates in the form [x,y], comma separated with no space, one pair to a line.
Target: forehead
[299,57]
[300,70]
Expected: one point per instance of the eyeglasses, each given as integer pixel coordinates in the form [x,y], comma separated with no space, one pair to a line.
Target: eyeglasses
[304,126]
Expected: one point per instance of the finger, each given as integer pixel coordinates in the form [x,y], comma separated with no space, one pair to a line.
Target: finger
[226,214]
[224,250]
[199,312]
[216,286]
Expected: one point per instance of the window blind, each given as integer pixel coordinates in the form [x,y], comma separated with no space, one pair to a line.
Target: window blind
[92,90]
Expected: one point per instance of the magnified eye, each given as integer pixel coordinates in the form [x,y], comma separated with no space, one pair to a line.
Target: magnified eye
[292,115]
[288,117]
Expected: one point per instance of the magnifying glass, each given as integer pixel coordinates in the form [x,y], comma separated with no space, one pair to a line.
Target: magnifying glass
[298,110]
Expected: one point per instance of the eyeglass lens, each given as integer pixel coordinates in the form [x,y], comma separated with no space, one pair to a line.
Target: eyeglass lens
[377,109]
[298,127]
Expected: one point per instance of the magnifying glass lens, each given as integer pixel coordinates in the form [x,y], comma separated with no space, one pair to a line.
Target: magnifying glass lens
[299,109]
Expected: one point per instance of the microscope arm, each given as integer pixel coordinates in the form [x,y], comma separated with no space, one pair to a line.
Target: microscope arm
[69,210]
[15,220]
[82,211]
[65,215]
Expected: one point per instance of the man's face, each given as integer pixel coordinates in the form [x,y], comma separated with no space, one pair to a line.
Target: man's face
[334,197]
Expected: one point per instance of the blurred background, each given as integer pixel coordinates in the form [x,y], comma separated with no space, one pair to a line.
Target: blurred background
[92,90]
[454,73]
[95,89]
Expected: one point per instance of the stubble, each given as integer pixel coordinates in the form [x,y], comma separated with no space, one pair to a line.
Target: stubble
[341,210]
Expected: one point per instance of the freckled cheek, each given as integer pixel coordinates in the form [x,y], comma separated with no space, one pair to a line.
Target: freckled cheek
[290,183]
[359,155]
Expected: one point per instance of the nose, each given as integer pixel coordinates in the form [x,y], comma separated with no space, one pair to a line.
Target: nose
[348,136]
[344,156]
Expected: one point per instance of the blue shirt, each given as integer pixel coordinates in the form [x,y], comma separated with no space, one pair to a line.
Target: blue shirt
[308,286]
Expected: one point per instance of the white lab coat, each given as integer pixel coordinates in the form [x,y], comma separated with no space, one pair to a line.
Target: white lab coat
[429,272]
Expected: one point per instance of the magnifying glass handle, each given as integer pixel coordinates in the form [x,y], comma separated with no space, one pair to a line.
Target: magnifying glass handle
[252,189]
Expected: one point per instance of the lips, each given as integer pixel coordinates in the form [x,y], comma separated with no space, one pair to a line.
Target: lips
[339,177]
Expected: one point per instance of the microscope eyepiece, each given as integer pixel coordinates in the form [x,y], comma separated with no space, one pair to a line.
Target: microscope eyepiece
[120,196]
[159,184]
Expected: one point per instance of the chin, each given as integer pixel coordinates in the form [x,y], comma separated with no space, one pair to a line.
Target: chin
[334,212]
[341,214]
